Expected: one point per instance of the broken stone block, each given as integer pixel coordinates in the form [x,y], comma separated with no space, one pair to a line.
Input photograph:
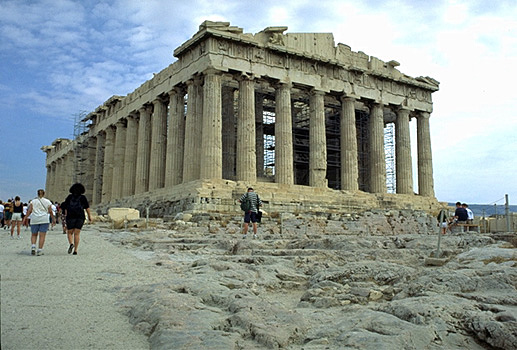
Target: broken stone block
[117,214]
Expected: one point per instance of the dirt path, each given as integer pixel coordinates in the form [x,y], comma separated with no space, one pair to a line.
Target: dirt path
[61,301]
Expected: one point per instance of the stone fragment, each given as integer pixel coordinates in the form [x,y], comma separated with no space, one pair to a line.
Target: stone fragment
[116,214]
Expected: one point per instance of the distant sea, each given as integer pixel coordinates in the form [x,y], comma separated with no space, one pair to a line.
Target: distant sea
[489,209]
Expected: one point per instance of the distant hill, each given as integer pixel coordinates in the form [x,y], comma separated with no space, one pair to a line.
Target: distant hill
[489,209]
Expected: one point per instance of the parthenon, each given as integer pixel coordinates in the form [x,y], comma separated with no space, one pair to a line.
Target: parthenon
[291,114]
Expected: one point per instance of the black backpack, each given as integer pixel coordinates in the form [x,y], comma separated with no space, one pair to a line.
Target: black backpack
[75,207]
[246,204]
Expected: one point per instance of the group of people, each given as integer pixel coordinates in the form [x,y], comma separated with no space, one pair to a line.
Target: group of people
[12,213]
[462,215]
[41,214]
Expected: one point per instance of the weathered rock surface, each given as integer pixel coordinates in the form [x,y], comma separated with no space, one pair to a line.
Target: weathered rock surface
[341,288]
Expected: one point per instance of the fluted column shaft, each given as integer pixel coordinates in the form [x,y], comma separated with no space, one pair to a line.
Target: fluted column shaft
[118,160]
[284,172]
[259,130]
[97,175]
[425,159]
[212,143]
[403,165]
[143,150]
[48,179]
[158,145]
[246,152]
[317,140]
[230,135]
[128,187]
[191,128]
[348,140]
[107,175]
[175,138]
[54,179]
[88,175]
[377,163]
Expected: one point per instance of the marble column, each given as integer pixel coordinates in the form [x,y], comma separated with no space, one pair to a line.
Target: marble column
[143,150]
[97,175]
[403,165]
[317,140]
[259,130]
[191,128]
[348,140]
[229,136]
[246,153]
[53,183]
[48,179]
[377,158]
[198,117]
[175,138]
[212,143]
[284,165]
[128,187]
[158,145]
[90,168]
[425,159]
[107,175]
[118,159]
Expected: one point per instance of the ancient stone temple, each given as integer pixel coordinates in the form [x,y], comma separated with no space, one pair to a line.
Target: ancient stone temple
[293,115]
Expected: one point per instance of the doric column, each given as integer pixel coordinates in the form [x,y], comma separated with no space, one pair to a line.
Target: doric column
[317,140]
[48,179]
[107,175]
[175,138]
[63,181]
[118,160]
[425,158]
[90,168]
[348,140]
[246,153]
[191,128]
[53,182]
[212,143]
[143,150]
[377,159]
[259,130]
[284,173]
[229,137]
[403,165]
[128,187]
[158,145]
[97,175]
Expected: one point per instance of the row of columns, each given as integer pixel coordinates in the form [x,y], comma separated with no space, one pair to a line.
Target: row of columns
[159,146]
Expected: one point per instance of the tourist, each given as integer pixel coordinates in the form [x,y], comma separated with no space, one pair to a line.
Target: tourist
[460,214]
[2,208]
[62,216]
[75,205]
[7,214]
[251,214]
[17,217]
[24,214]
[443,221]
[39,211]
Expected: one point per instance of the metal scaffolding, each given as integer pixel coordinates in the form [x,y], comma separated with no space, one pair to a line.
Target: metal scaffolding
[389,152]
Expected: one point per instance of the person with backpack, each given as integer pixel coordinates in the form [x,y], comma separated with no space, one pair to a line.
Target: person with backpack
[74,206]
[39,211]
[250,202]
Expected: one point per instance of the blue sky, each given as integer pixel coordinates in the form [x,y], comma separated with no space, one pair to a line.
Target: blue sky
[59,58]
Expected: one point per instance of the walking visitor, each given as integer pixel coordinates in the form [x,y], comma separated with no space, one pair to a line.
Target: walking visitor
[250,204]
[17,217]
[39,211]
[75,205]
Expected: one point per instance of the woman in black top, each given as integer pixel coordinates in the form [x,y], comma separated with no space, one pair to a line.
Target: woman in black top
[74,206]
[16,219]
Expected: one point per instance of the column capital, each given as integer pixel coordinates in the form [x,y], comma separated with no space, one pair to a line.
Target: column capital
[423,114]
[349,97]
[177,90]
[283,84]
[316,91]
[245,76]
[120,123]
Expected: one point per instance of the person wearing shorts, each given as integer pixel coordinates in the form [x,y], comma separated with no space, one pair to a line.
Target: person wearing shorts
[16,218]
[39,211]
[74,206]
[251,215]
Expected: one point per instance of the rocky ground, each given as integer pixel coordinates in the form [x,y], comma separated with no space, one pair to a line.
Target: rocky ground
[320,283]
